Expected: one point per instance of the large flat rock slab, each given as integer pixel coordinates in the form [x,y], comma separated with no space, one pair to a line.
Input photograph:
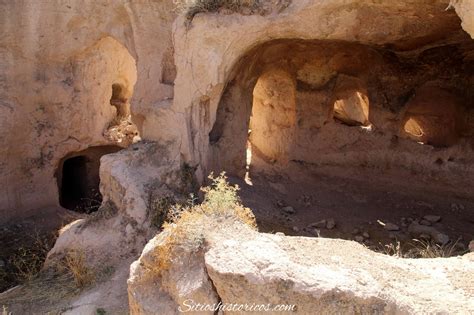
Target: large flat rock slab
[335,276]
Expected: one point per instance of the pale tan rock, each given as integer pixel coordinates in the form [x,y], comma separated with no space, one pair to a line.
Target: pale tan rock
[114,235]
[273,115]
[330,276]
[465,10]
[155,291]
[316,274]
[351,103]
[57,69]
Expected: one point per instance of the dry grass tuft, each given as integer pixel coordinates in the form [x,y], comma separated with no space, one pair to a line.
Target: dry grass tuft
[160,208]
[28,261]
[186,231]
[47,288]
[422,249]
[193,7]
[54,284]
[74,263]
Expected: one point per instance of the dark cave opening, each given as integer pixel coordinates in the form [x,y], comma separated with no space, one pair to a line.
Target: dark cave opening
[78,179]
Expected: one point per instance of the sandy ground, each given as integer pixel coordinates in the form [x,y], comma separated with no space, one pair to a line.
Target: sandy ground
[356,199]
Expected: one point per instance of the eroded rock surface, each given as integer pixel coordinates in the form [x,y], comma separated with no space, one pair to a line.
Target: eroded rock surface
[315,274]
[58,71]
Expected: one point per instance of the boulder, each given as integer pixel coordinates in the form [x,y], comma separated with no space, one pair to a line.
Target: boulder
[334,276]
[391,227]
[315,275]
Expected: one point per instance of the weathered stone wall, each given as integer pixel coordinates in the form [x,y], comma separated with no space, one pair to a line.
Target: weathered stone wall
[59,60]
[219,51]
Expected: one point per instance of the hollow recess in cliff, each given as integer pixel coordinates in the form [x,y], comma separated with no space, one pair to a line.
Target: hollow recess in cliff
[119,101]
[78,179]
[290,93]
[433,116]
[109,73]
[311,120]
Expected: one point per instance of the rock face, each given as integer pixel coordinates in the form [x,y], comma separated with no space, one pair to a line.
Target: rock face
[114,235]
[465,10]
[73,71]
[351,103]
[315,57]
[273,115]
[128,179]
[433,116]
[70,72]
[316,275]
[164,293]
[57,85]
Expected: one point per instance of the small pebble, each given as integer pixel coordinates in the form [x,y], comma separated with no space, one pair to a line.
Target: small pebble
[432,218]
[425,222]
[359,238]
[319,224]
[330,224]
[366,235]
[281,203]
[288,209]
[441,238]
[391,227]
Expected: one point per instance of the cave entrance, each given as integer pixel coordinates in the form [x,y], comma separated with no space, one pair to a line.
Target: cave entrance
[78,179]
[328,131]
[74,186]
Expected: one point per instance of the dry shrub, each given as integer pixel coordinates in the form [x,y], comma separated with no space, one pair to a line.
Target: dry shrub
[49,287]
[74,263]
[186,232]
[193,7]
[427,249]
[56,283]
[28,261]
[422,249]
[159,208]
